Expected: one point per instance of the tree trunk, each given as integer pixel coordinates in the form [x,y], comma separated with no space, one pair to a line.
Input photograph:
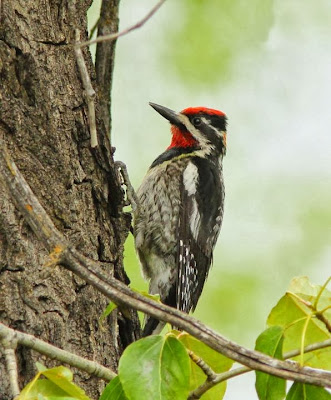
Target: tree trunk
[43,118]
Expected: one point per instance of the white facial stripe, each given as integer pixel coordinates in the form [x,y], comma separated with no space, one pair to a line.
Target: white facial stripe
[205,144]
[192,129]
[217,132]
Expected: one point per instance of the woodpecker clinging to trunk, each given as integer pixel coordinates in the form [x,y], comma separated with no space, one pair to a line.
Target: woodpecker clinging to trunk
[180,208]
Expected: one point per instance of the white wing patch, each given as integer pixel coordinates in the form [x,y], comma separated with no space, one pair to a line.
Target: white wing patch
[190,179]
[195,220]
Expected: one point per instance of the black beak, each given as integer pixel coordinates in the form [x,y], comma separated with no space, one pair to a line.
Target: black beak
[170,115]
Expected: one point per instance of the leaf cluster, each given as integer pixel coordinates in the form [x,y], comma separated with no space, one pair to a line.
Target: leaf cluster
[176,365]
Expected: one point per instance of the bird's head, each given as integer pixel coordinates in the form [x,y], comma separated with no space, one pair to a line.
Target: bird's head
[201,128]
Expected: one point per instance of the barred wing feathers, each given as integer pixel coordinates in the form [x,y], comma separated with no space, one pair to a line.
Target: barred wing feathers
[201,213]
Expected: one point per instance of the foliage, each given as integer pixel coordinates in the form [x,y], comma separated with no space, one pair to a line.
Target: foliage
[300,391]
[216,361]
[155,367]
[109,309]
[301,312]
[160,366]
[57,386]
[270,342]
[301,317]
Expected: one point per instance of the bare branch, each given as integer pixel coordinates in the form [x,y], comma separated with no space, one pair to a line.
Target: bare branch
[208,383]
[130,192]
[115,290]
[224,376]
[89,91]
[11,363]
[308,349]
[137,25]
[53,352]
[206,369]
[93,29]
[104,59]
[319,314]
[9,343]
[322,318]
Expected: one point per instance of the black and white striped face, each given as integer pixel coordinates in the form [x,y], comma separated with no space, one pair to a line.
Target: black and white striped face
[207,126]
[209,129]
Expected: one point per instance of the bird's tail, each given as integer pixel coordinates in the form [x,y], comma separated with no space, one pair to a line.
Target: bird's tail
[152,326]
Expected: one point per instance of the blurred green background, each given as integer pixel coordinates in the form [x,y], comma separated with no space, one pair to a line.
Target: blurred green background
[267,64]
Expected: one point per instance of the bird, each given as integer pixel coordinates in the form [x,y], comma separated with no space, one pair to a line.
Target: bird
[179,211]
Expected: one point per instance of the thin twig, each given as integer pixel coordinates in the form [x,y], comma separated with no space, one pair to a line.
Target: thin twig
[322,318]
[53,352]
[89,270]
[94,28]
[9,343]
[88,89]
[11,364]
[105,60]
[130,192]
[137,25]
[207,370]
[321,292]
[313,306]
[224,376]
[208,384]
[308,349]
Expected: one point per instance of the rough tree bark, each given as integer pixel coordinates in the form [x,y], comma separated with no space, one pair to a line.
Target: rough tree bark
[43,118]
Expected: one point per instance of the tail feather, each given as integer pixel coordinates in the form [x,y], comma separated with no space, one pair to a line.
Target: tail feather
[152,327]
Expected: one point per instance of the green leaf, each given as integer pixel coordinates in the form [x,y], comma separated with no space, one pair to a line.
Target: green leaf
[58,374]
[155,297]
[156,367]
[291,313]
[43,389]
[109,309]
[62,377]
[114,391]
[216,361]
[301,391]
[58,385]
[309,292]
[270,342]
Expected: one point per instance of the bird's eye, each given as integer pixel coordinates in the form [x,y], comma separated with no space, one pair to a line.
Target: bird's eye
[196,121]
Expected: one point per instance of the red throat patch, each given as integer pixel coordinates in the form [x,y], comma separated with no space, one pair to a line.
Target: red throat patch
[181,138]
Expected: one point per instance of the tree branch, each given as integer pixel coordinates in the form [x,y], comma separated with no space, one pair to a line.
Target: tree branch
[9,343]
[53,352]
[88,89]
[206,369]
[137,25]
[322,318]
[130,192]
[115,290]
[104,58]
[214,379]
